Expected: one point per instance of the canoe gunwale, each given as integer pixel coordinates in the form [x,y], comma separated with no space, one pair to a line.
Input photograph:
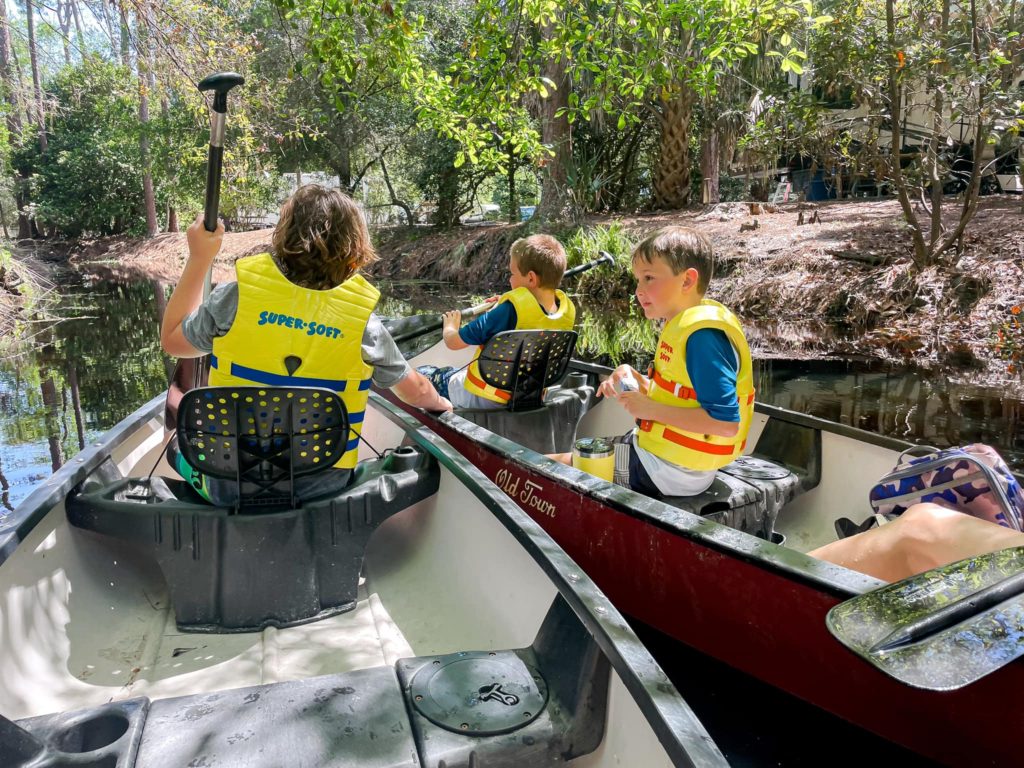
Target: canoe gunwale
[671,719]
[825,577]
[16,526]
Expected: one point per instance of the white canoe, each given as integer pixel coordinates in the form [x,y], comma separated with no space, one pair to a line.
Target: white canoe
[460,592]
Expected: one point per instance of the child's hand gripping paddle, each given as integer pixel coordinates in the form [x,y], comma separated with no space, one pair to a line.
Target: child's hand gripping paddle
[190,373]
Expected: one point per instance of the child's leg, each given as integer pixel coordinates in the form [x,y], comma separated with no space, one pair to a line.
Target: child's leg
[438,377]
[924,537]
[188,473]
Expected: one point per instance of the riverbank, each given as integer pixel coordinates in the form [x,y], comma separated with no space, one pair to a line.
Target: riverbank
[839,284]
[809,280]
[24,292]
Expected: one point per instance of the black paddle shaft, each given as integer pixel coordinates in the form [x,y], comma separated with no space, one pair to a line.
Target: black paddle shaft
[220,84]
[603,258]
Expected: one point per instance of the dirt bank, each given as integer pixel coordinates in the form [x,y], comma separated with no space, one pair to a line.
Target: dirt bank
[848,273]
[841,285]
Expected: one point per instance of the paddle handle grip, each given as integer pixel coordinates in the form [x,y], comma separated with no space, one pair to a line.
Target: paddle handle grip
[214,166]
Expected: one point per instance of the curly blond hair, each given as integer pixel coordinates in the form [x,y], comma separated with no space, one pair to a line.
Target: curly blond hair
[321,239]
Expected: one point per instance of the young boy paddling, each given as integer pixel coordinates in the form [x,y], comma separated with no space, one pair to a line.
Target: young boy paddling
[695,411]
[536,264]
[299,315]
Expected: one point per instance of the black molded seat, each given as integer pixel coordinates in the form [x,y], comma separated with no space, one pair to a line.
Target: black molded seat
[525,363]
[746,495]
[749,493]
[529,364]
[262,437]
[268,561]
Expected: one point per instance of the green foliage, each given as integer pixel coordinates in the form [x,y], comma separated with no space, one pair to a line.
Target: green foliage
[527,191]
[604,282]
[1007,340]
[90,180]
[583,245]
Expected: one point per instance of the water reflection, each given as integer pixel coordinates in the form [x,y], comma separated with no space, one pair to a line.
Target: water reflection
[895,402]
[87,373]
[104,360]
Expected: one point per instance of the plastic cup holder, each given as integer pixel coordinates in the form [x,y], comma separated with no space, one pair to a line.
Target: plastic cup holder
[403,458]
[95,732]
[575,380]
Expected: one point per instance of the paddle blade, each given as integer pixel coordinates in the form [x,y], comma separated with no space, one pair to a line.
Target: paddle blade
[942,629]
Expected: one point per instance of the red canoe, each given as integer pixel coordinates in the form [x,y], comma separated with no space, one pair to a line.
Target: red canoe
[704,572]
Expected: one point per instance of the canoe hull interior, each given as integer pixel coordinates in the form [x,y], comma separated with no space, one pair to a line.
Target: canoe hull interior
[754,605]
[448,579]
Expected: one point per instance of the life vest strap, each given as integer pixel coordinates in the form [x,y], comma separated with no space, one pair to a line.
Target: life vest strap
[683,393]
[499,393]
[281,380]
[693,443]
[674,388]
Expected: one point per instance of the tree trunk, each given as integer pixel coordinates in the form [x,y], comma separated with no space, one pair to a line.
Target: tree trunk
[409,218]
[447,214]
[513,204]
[921,254]
[114,39]
[556,200]
[64,21]
[672,172]
[172,219]
[76,401]
[126,51]
[145,61]
[77,15]
[14,125]
[37,88]
[50,400]
[710,163]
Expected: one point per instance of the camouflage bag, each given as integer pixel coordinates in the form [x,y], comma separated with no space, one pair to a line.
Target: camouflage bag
[972,479]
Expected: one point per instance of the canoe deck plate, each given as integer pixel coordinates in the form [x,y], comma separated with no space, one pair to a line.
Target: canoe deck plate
[479,692]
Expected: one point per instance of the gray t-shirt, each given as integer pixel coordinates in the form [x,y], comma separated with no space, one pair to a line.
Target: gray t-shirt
[214,317]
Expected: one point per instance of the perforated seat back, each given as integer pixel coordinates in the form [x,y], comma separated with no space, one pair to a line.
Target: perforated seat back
[262,437]
[525,363]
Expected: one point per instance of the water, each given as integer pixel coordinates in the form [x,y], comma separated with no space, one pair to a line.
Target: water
[106,354]
[102,362]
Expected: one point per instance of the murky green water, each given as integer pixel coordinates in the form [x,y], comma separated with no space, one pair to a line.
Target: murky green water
[103,361]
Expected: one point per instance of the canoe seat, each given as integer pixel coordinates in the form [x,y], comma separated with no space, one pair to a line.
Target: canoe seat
[270,561]
[529,364]
[525,363]
[539,706]
[749,493]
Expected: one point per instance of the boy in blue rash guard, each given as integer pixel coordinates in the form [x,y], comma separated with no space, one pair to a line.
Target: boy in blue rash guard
[536,264]
[694,411]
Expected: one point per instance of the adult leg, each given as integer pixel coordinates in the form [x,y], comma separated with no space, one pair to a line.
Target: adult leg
[924,537]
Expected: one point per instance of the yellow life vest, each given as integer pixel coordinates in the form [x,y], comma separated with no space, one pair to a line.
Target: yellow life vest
[324,329]
[671,384]
[529,317]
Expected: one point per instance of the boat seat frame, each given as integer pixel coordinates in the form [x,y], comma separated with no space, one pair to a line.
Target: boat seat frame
[525,363]
[245,568]
[749,493]
[388,715]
